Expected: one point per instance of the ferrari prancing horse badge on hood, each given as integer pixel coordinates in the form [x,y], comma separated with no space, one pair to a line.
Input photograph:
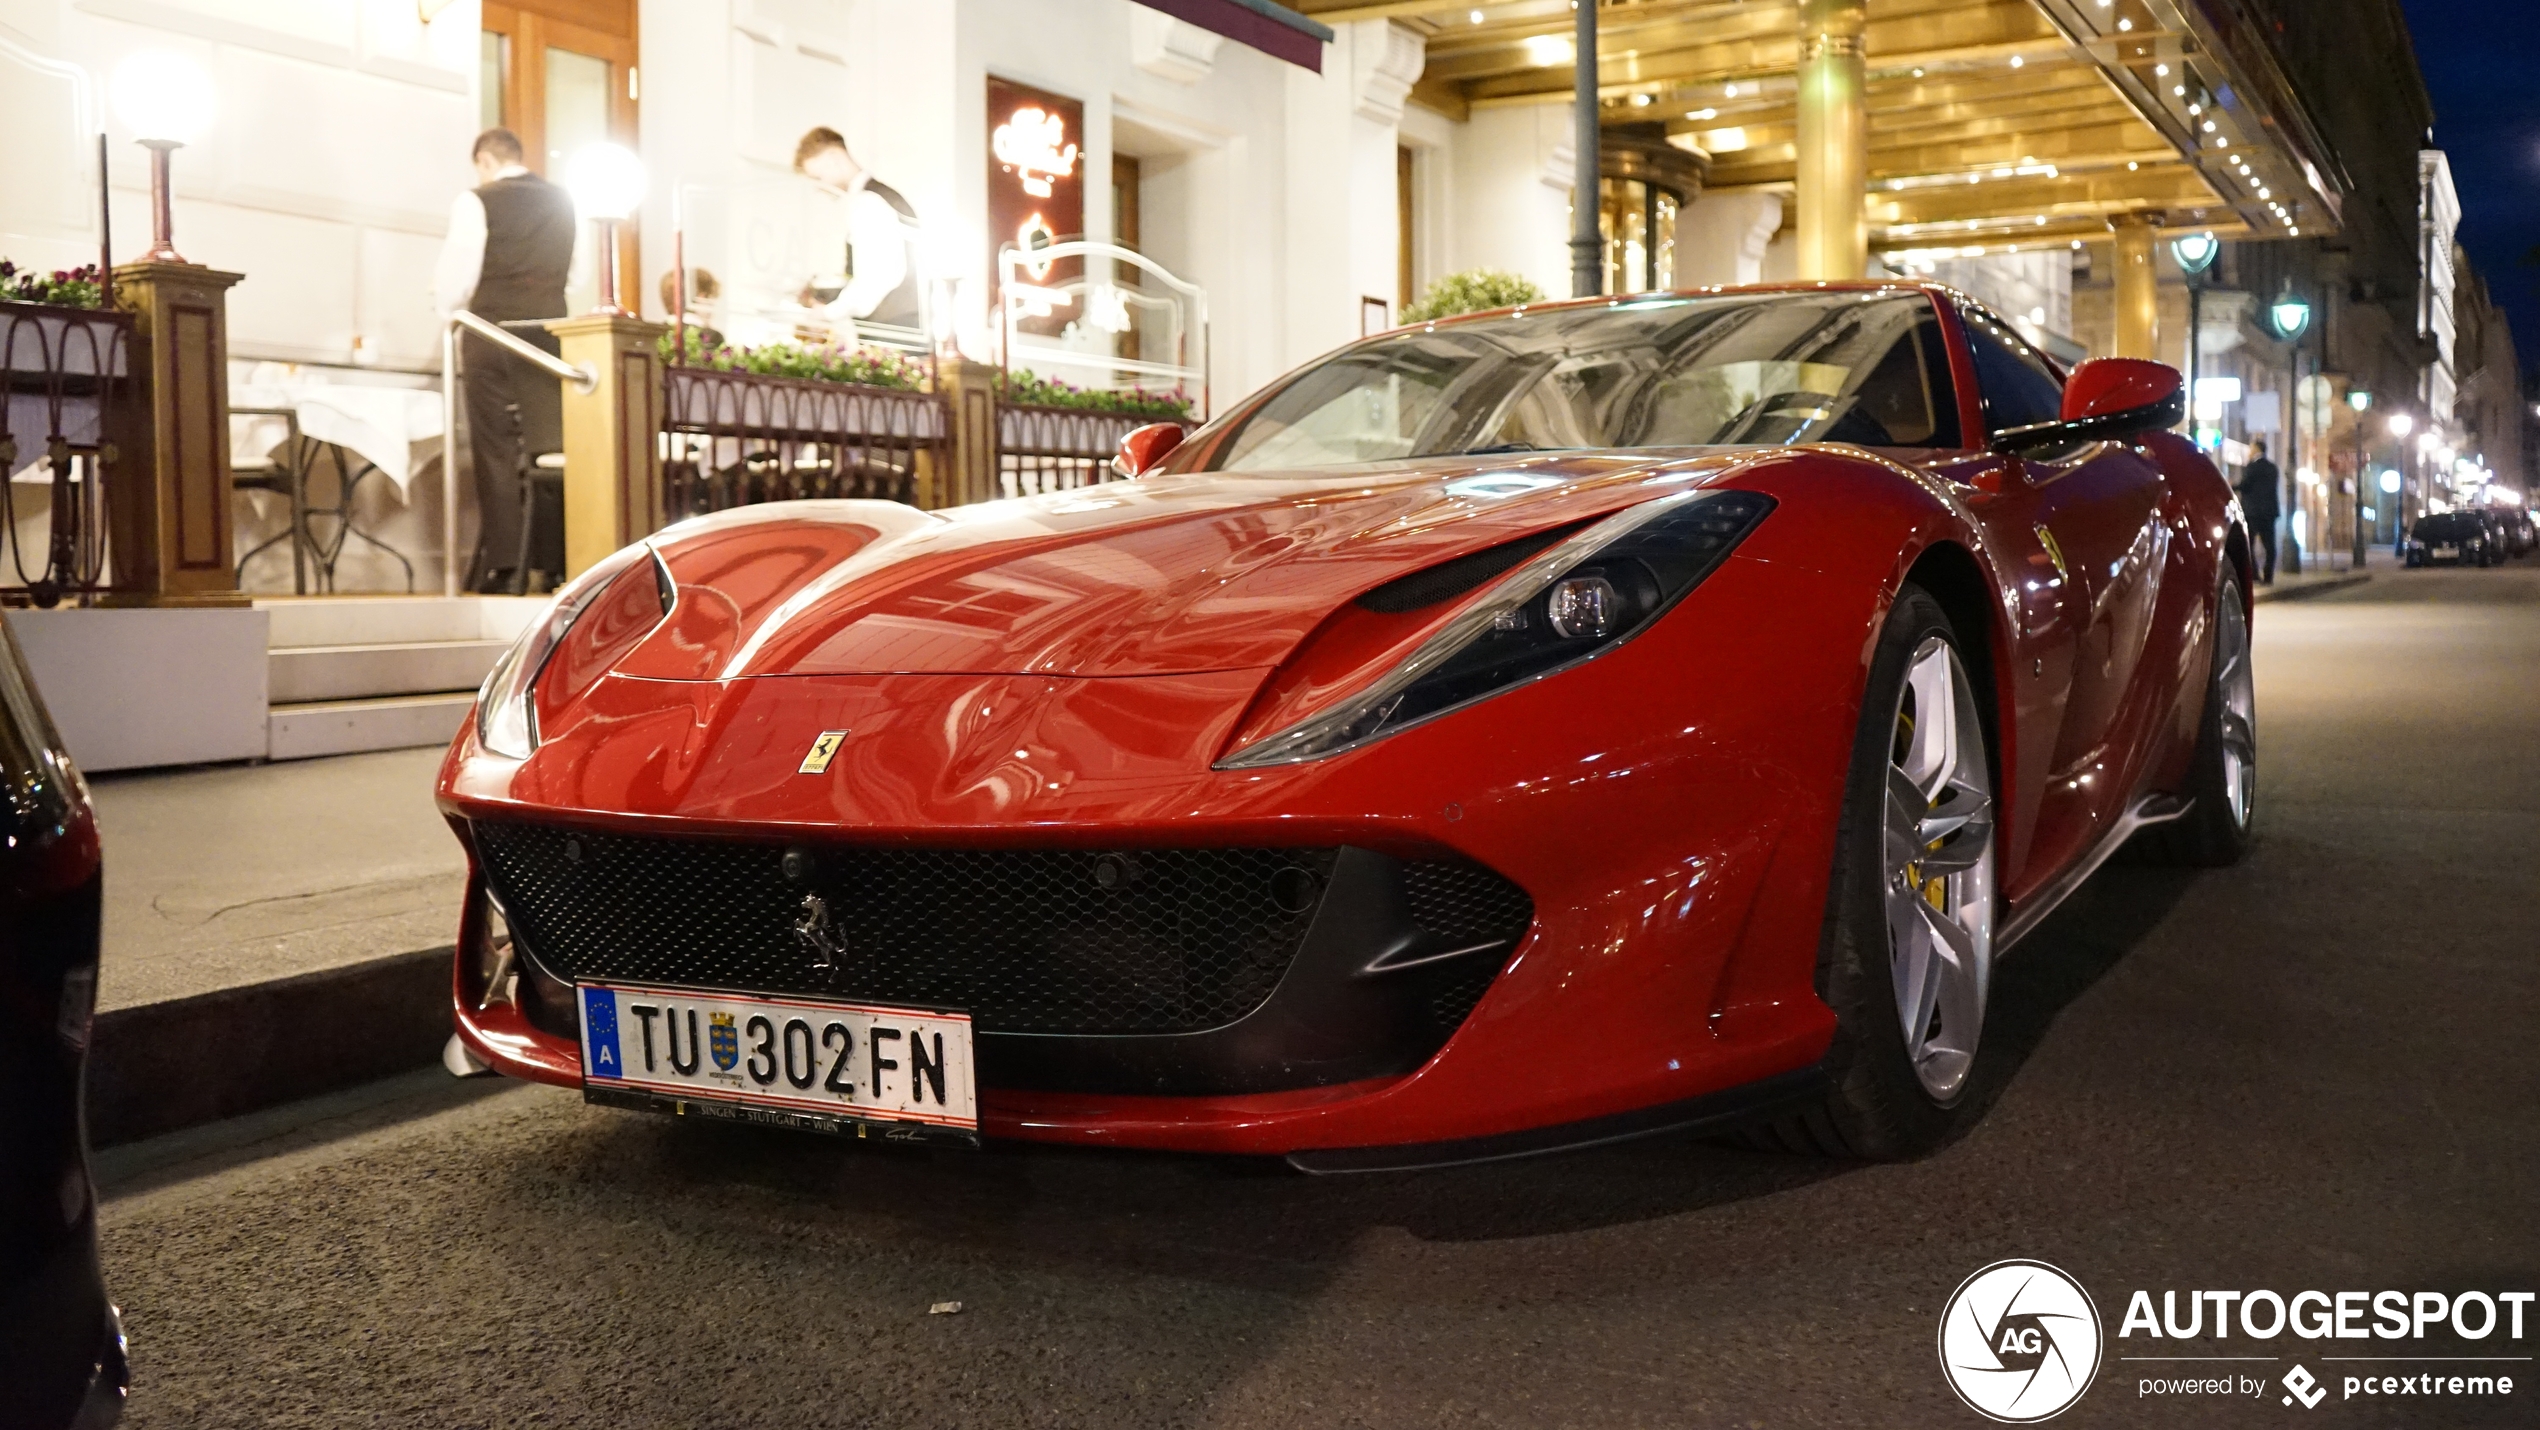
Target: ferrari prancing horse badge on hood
[823,750]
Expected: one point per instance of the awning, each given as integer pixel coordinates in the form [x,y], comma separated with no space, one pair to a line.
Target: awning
[1999,124]
[1275,30]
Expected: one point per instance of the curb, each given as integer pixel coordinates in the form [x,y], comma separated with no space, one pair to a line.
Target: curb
[162,1067]
[2309,589]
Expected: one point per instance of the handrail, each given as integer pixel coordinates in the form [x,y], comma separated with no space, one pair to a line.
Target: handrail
[582,378]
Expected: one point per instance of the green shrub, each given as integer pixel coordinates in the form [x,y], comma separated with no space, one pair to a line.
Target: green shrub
[865,367]
[1472,291]
[1033,390]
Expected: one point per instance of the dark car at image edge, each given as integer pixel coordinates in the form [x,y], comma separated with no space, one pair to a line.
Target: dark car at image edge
[61,1341]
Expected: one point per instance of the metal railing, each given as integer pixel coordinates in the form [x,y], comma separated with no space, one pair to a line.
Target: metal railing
[1048,449]
[738,438]
[63,374]
[582,378]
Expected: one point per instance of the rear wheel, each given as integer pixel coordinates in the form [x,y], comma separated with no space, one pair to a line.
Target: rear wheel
[1906,960]
[2223,777]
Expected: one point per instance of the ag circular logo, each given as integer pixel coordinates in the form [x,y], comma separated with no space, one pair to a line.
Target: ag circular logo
[2019,1341]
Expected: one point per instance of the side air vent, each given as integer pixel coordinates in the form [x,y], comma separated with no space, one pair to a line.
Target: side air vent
[1449,579]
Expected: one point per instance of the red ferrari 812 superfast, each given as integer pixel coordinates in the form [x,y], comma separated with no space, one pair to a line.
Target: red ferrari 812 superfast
[1513,732]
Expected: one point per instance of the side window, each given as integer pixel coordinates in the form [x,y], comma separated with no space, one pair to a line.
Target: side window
[2019,389]
[1907,397]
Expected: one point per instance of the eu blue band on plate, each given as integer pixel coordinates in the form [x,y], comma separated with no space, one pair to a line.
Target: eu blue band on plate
[599,1019]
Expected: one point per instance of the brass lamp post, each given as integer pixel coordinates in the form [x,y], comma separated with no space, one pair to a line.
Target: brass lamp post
[167,101]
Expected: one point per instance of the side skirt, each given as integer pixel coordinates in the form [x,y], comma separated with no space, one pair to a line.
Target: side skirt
[1711,1112]
[2146,811]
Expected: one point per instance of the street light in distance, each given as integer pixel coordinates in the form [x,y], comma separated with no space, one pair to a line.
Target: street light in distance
[166,100]
[2291,314]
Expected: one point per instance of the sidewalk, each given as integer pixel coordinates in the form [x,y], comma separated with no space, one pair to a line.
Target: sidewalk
[271,931]
[2321,574]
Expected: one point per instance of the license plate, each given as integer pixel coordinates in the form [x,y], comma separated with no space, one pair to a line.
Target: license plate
[903,1074]
[2447,551]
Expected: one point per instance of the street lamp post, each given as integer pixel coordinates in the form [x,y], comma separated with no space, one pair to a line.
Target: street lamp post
[2291,314]
[1587,241]
[2195,254]
[2360,400]
[2400,425]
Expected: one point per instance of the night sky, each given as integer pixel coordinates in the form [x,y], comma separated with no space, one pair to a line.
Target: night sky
[2481,60]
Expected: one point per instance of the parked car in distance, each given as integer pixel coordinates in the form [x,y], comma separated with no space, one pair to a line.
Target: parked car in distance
[61,1342]
[2521,532]
[2459,538]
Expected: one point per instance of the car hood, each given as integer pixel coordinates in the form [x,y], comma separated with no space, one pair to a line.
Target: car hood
[1159,576]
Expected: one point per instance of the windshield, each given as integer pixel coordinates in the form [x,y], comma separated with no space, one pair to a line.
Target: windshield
[1866,368]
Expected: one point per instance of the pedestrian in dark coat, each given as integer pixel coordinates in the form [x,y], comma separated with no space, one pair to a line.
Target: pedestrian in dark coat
[2258,497]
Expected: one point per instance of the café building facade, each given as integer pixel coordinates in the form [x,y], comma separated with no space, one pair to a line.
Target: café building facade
[1291,177]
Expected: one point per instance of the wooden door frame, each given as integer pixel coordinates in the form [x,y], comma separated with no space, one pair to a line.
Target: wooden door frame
[581,26]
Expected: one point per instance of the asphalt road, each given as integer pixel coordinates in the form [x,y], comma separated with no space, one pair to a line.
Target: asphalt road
[2316,1070]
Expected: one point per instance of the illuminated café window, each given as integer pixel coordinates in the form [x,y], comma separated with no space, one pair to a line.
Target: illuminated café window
[1643,186]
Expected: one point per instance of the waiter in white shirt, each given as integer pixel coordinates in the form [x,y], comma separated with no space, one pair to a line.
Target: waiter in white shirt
[508,254]
[880,282]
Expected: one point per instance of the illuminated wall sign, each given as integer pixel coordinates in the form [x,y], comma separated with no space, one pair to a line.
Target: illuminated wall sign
[1036,181]
[1033,143]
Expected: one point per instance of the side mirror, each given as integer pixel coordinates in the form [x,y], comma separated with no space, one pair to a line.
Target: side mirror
[2106,398]
[1143,449]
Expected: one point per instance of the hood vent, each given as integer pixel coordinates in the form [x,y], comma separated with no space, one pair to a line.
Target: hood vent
[1449,579]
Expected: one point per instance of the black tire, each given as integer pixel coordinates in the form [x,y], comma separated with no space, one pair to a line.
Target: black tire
[1874,1107]
[2211,835]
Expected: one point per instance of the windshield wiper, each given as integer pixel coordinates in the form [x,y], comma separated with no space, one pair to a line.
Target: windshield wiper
[1497,448]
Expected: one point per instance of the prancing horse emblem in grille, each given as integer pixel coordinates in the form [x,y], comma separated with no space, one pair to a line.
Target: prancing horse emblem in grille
[827,947]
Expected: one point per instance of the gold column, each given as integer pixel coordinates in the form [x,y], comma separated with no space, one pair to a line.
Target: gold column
[612,435]
[168,497]
[965,469]
[1834,174]
[2138,283]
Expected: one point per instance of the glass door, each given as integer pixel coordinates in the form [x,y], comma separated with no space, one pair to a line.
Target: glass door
[562,84]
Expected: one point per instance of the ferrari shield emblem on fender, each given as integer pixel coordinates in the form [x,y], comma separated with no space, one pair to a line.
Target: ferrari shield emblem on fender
[724,1041]
[823,750]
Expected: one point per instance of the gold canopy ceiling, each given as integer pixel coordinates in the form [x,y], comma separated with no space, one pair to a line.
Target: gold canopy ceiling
[1993,123]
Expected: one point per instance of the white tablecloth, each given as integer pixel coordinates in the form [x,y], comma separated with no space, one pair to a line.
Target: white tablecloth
[398,429]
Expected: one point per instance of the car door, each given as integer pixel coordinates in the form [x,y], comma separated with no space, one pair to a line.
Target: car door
[2102,538]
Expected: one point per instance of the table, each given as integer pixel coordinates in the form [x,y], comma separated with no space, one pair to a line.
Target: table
[286,424]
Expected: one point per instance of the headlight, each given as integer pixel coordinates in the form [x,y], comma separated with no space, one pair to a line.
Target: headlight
[507,707]
[1576,601]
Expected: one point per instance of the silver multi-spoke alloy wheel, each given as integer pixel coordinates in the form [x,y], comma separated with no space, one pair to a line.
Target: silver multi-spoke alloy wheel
[2238,692]
[1939,866]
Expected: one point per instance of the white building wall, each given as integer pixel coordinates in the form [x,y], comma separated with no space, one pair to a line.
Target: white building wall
[1511,175]
[1723,238]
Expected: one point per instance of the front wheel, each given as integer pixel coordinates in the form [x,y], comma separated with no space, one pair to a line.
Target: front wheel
[1906,959]
[2222,777]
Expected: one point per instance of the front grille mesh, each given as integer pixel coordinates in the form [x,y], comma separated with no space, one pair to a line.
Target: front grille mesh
[1029,941]
[1462,905]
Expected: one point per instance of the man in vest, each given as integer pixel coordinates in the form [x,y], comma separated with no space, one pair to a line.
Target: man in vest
[880,283]
[509,250]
